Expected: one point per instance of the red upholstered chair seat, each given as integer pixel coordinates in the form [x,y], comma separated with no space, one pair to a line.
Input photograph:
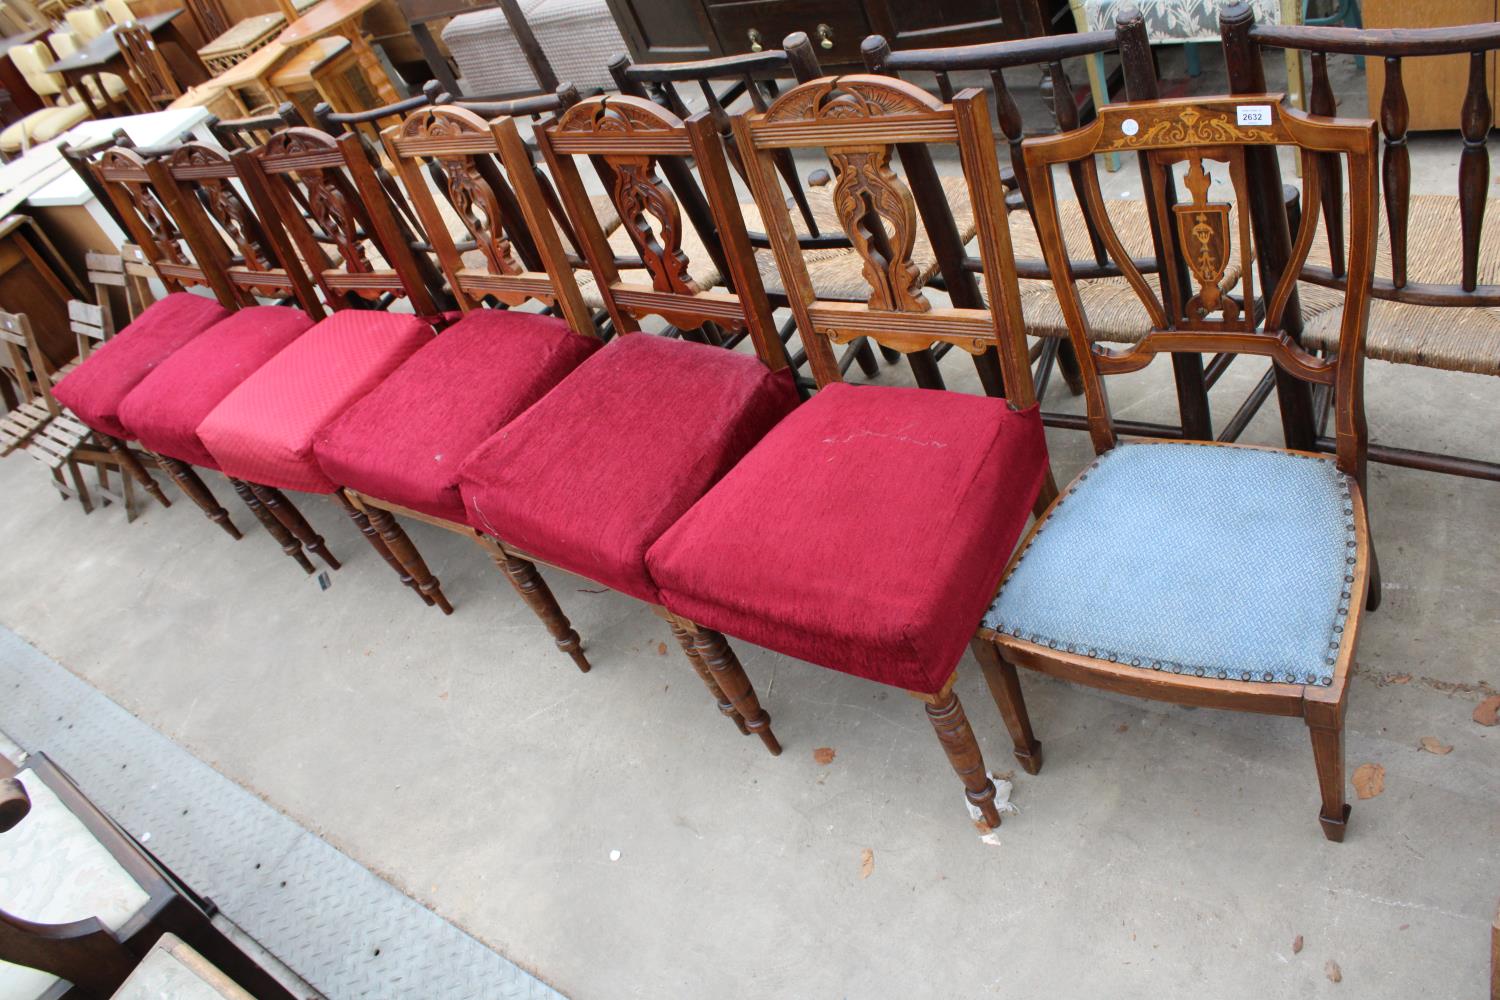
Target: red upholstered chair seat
[404,442]
[867,532]
[598,468]
[163,412]
[264,430]
[95,389]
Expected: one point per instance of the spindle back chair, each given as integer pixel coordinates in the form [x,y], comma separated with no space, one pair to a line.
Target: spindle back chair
[153,80]
[1183,628]
[1113,305]
[1413,292]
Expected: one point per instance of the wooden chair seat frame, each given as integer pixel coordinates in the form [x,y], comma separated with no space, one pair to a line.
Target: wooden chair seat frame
[1198,130]
[1244,42]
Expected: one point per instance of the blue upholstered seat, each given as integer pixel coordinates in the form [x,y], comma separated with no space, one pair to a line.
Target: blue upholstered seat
[1205,560]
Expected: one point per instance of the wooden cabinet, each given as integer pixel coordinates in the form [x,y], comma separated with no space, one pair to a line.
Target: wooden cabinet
[1435,85]
[677,30]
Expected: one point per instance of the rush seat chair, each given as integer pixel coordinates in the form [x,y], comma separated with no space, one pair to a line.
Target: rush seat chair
[1237,576]
[398,451]
[592,474]
[936,484]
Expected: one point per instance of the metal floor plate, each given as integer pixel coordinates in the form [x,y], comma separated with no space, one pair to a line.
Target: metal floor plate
[341,928]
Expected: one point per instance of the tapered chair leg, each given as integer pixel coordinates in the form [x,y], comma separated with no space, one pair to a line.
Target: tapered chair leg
[864,356]
[286,512]
[534,591]
[726,670]
[691,651]
[132,467]
[1325,724]
[1005,688]
[274,528]
[953,731]
[1067,364]
[406,553]
[197,491]
[362,522]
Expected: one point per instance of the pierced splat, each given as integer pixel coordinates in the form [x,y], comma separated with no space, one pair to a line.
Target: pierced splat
[474,200]
[879,215]
[640,196]
[1205,235]
[336,213]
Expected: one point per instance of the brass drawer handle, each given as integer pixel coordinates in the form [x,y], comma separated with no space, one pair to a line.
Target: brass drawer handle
[754,35]
[825,36]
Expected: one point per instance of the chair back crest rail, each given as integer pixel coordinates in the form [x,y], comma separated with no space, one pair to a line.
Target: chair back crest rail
[488,178]
[859,121]
[1206,134]
[148,202]
[1473,118]
[630,139]
[208,188]
[368,258]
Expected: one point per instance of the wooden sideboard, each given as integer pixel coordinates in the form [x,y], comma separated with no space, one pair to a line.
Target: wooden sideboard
[676,30]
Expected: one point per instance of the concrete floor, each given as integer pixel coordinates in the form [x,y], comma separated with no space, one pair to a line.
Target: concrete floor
[1161,852]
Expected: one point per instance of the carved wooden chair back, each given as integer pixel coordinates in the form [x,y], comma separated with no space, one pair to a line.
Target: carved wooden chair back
[247,133]
[146,65]
[1213,136]
[208,187]
[632,138]
[147,201]
[859,121]
[350,236]
[722,82]
[505,215]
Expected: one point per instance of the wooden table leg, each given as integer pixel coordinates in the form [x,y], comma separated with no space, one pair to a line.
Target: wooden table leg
[369,65]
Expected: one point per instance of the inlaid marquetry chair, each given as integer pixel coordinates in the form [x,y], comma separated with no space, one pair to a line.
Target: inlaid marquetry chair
[592,474]
[938,483]
[83,900]
[1437,282]
[398,450]
[1239,576]
[1114,310]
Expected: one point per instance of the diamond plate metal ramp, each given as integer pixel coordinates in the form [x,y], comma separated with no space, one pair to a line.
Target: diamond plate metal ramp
[344,930]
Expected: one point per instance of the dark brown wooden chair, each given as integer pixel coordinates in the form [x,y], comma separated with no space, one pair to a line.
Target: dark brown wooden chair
[590,475]
[1115,312]
[1437,277]
[138,900]
[1239,579]
[945,480]
[150,75]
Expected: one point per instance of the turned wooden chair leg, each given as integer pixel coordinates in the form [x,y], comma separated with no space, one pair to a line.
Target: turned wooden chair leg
[286,512]
[362,522]
[197,491]
[864,356]
[534,591]
[727,672]
[725,705]
[274,528]
[1005,688]
[132,467]
[1067,364]
[406,554]
[1325,724]
[953,731]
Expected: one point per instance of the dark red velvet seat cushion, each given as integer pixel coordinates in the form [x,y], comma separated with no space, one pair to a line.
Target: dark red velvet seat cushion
[593,473]
[866,533]
[404,442]
[95,389]
[163,412]
[264,429]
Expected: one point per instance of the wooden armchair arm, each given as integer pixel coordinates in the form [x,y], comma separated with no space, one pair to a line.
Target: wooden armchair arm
[83,952]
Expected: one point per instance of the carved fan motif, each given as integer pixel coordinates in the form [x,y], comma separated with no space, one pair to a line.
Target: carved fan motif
[852,97]
[1205,235]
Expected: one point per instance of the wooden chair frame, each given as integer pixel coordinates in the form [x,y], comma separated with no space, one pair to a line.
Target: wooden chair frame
[1192,130]
[860,121]
[96,959]
[1244,41]
[146,67]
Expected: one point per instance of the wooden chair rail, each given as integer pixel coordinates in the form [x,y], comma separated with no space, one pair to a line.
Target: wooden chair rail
[1380,42]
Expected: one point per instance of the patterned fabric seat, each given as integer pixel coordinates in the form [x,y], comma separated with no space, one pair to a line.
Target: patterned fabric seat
[163,412]
[592,474]
[96,388]
[866,533]
[1214,561]
[403,443]
[264,430]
